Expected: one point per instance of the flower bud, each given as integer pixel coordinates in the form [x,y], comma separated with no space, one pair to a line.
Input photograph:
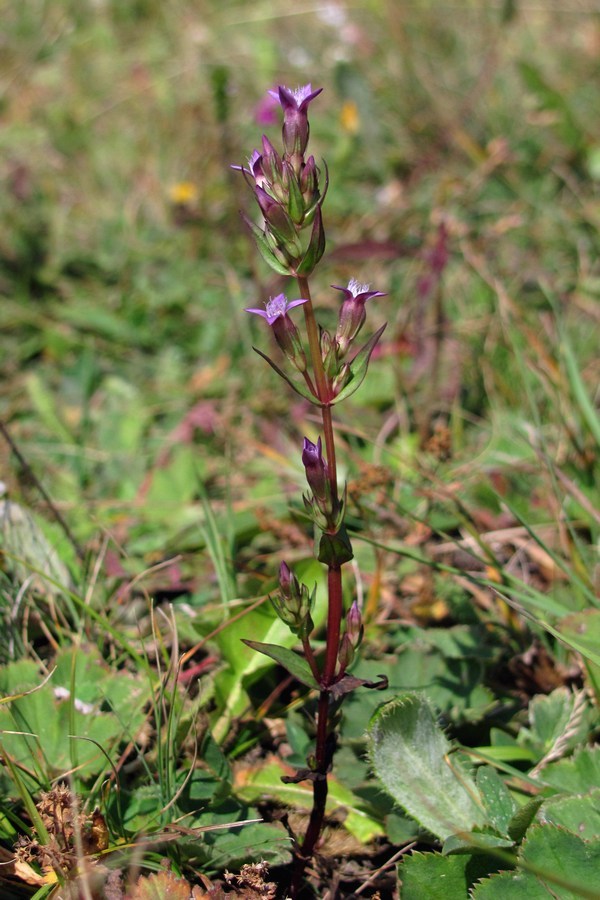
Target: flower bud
[293,603]
[278,221]
[317,472]
[345,653]
[295,119]
[354,626]
[352,313]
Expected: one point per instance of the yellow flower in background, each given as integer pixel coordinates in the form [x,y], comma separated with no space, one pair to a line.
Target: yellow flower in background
[183,193]
[349,118]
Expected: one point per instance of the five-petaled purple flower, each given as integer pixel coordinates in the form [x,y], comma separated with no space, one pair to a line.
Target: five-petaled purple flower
[352,312]
[285,332]
[295,118]
[275,307]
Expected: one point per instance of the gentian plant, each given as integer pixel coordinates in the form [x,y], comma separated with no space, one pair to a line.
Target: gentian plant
[325,369]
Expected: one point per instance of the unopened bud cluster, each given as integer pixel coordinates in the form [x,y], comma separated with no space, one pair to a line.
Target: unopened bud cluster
[352,637]
[293,603]
[351,319]
[286,188]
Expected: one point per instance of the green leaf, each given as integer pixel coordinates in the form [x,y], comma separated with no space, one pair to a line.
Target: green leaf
[579,814]
[265,780]
[265,249]
[410,755]
[523,818]
[298,386]
[565,860]
[497,799]
[59,732]
[549,717]
[434,876]
[556,863]
[509,886]
[295,665]
[577,774]
[359,366]
[475,842]
[29,554]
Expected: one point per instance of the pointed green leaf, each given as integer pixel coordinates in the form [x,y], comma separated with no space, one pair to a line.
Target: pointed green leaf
[295,665]
[316,247]
[497,799]
[523,818]
[265,249]
[300,387]
[359,366]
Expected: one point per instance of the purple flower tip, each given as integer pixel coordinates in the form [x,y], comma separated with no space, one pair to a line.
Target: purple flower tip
[358,291]
[312,453]
[275,307]
[295,99]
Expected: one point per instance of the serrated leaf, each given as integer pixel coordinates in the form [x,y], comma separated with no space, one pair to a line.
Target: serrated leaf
[434,876]
[511,886]
[475,841]
[410,755]
[549,716]
[577,774]
[579,814]
[359,366]
[565,860]
[294,664]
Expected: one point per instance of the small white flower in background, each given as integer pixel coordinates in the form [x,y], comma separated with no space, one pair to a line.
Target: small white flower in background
[61,693]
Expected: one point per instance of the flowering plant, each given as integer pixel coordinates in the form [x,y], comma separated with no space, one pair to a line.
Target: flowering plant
[291,238]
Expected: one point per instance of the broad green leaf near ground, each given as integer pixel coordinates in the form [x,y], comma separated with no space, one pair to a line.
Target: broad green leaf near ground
[412,758]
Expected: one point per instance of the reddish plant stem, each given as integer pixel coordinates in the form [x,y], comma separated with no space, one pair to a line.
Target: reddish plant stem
[324,753]
[334,623]
[310,658]
[324,744]
[314,345]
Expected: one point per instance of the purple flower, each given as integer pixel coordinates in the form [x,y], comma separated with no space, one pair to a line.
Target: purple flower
[352,312]
[275,307]
[295,118]
[285,332]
